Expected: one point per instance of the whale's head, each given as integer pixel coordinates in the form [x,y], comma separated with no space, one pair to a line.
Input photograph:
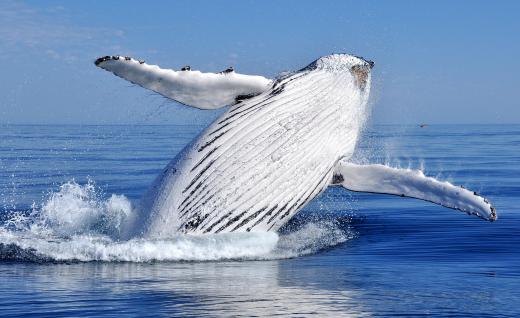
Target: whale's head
[357,66]
[346,78]
[353,70]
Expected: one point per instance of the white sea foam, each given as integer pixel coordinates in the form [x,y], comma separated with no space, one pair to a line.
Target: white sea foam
[76,224]
[75,210]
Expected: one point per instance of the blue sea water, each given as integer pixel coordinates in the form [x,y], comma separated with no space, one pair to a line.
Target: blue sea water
[64,188]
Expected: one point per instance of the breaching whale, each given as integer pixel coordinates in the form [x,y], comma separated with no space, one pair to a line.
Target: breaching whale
[280,144]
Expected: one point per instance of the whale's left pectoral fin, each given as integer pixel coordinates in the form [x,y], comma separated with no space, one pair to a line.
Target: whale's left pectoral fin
[376,178]
[186,86]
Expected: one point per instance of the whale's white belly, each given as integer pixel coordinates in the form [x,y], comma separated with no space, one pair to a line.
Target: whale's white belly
[261,161]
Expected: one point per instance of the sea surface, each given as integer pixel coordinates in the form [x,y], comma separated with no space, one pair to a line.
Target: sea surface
[64,191]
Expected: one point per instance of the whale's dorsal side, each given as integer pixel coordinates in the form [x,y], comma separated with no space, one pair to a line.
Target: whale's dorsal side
[191,88]
[376,178]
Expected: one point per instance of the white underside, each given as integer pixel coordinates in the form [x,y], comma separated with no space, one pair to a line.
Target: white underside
[193,88]
[414,184]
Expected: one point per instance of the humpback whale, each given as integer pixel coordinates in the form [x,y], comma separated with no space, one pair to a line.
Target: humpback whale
[280,144]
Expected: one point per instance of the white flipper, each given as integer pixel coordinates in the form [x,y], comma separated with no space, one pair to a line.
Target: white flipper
[382,179]
[192,88]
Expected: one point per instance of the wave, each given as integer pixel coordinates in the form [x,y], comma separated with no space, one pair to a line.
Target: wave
[76,223]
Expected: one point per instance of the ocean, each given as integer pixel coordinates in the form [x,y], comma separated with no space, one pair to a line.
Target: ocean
[64,191]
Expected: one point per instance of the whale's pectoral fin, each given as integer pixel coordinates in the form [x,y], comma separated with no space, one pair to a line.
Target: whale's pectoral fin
[192,88]
[382,179]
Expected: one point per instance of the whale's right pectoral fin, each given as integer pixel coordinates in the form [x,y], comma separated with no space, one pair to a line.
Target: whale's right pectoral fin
[192,88]
[376,178]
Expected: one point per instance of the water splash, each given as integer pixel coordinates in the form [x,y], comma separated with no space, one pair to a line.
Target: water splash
[74,210]
[76,223]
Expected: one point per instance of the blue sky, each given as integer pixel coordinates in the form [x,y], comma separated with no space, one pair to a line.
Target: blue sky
[436,61]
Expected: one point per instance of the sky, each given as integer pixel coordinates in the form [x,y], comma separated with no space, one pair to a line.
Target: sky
[437,62]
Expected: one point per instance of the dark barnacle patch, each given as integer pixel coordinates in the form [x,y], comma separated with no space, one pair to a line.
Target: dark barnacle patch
[112,57]
[241,98]
[227,70]
[337,178]
[186,68]
[102,59]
